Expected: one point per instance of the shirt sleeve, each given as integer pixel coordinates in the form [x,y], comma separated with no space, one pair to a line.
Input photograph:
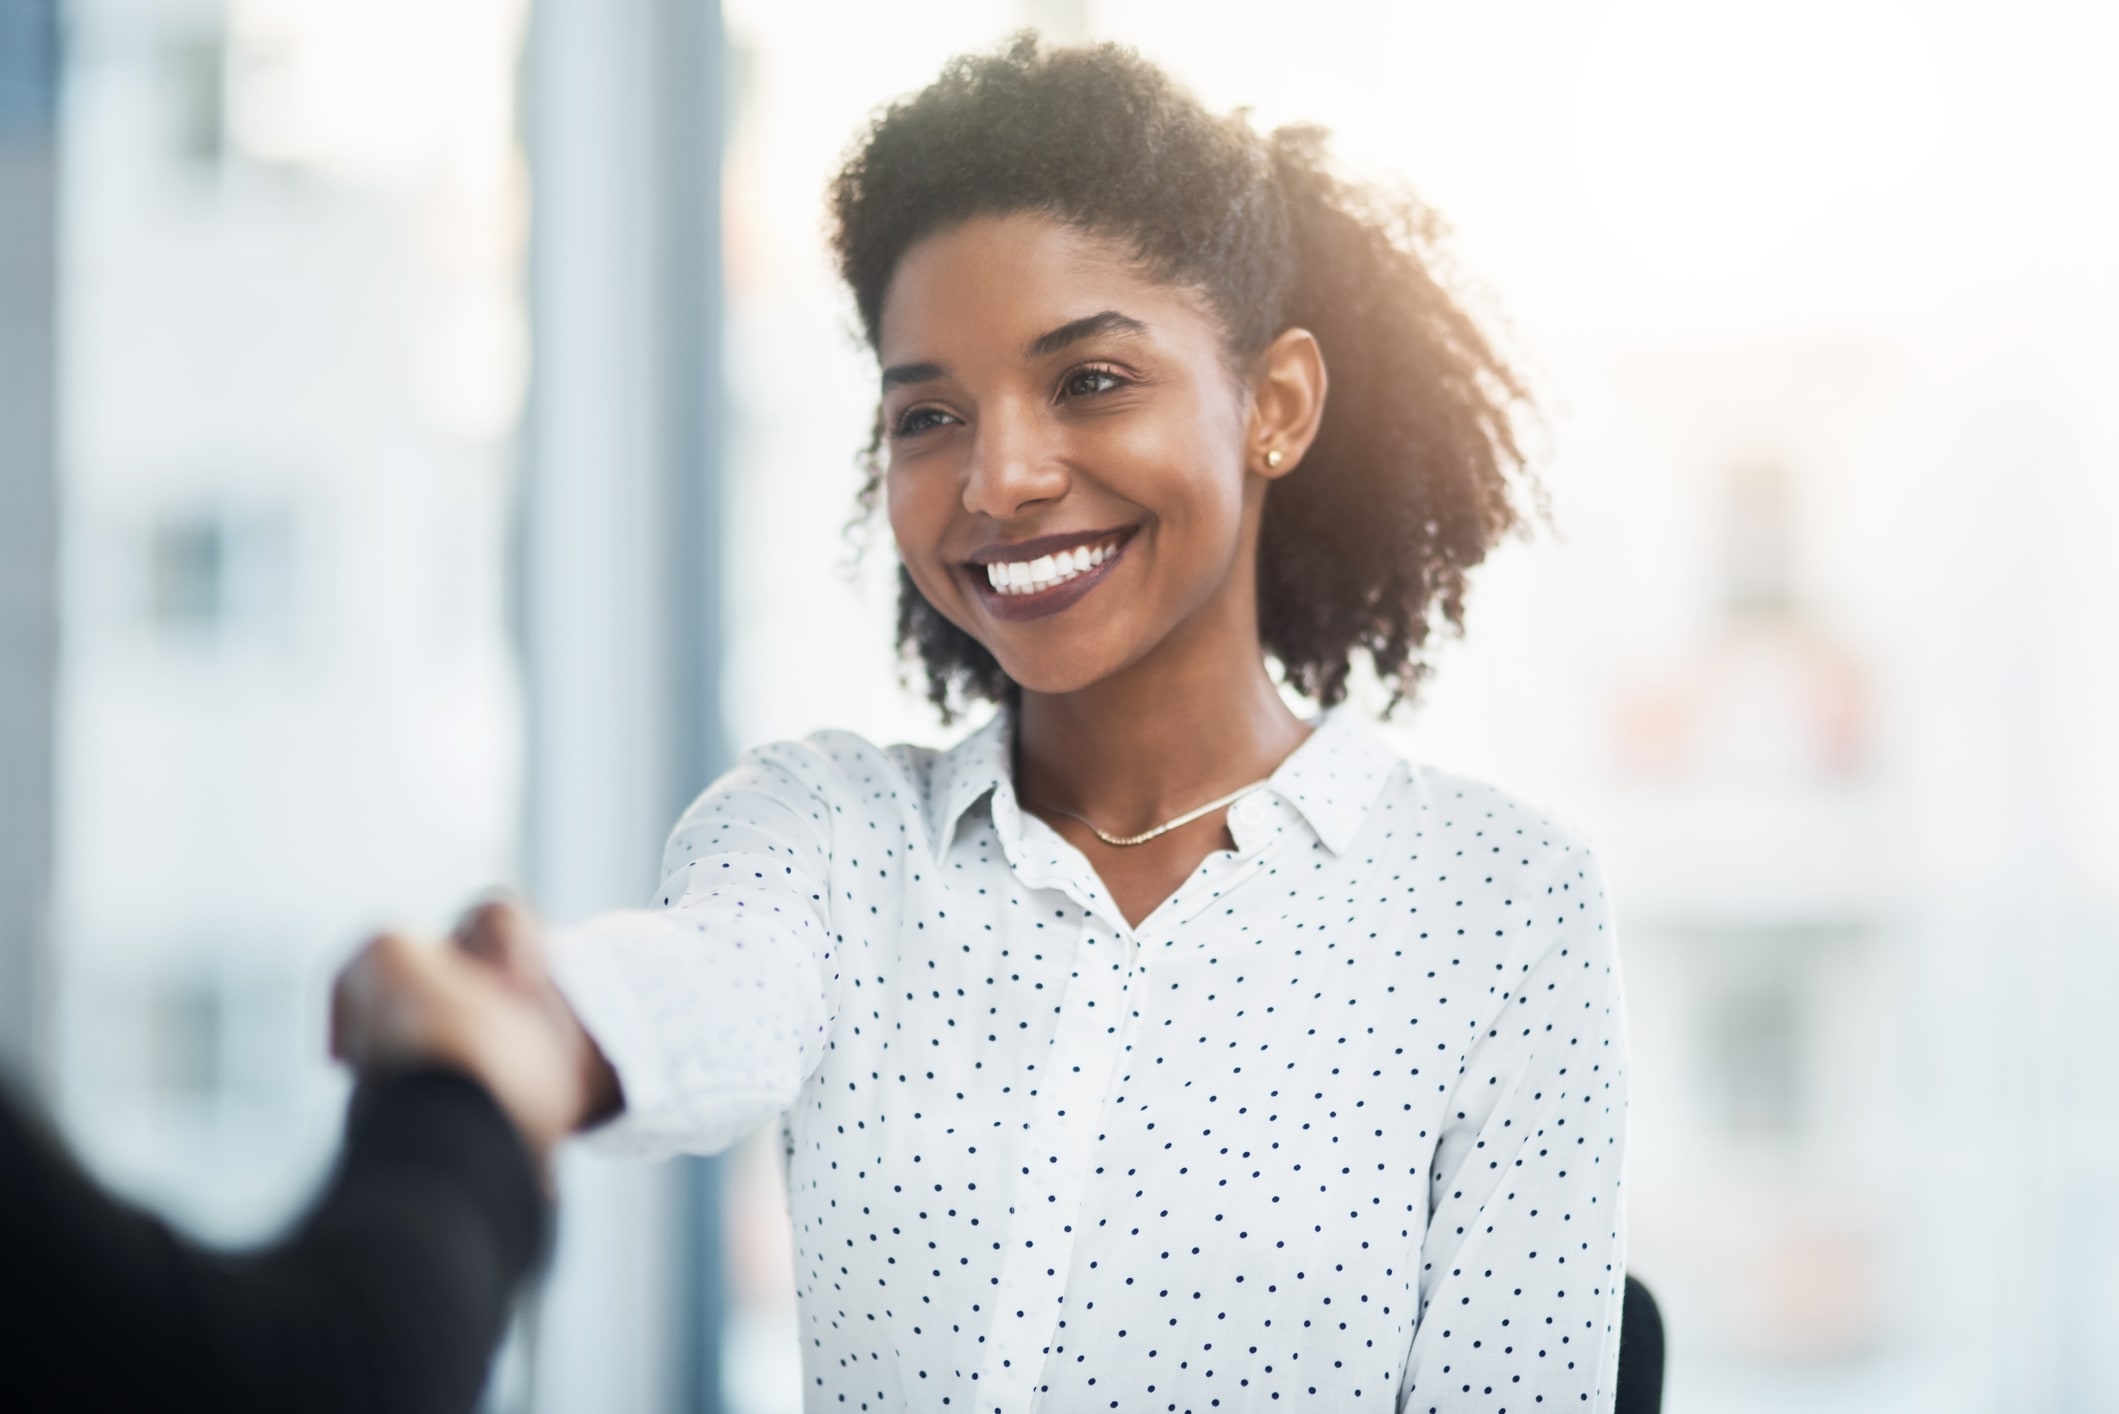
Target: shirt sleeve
[1523,1265]
[714,1006]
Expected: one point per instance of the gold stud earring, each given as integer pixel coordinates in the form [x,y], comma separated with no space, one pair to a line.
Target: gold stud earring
[1274,458]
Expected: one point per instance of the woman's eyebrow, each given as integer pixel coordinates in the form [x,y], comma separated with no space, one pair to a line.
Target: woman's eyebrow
[1108,321]
[912,373]
[1076,330]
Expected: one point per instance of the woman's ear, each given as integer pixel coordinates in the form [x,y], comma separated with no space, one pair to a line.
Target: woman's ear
[1287,403]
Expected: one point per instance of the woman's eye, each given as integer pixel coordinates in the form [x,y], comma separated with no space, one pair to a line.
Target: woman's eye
[1087,382]
[913,421]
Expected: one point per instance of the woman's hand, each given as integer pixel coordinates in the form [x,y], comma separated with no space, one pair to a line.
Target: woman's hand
[505,936]
[483,1002]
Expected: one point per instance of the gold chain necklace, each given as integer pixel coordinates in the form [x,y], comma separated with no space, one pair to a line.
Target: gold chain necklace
[1124,841]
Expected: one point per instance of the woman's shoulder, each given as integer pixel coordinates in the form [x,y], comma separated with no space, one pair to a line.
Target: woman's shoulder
[1508,878]
[1426,806]
[1490,845]
[1460,832]
[851,771]
[1472,805]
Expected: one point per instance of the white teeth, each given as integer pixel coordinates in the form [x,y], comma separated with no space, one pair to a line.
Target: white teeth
[1037,575]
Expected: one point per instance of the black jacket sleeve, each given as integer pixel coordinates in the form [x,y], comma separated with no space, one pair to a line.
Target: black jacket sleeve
[389,1296]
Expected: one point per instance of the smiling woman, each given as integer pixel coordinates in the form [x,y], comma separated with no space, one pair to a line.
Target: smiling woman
[1154,1046]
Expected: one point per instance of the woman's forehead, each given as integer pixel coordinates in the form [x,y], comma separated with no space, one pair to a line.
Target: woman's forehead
[1000,282]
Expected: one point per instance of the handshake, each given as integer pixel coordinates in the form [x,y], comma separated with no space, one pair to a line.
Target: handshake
[391,1293]
[480,1002]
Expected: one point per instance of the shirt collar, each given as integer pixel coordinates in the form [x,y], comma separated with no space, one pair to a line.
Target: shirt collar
[965,773]
[1333,778]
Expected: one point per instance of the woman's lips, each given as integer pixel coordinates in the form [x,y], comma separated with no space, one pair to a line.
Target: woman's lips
[1031,588]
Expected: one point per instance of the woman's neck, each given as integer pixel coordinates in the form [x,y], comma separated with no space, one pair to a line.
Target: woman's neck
[1155,741]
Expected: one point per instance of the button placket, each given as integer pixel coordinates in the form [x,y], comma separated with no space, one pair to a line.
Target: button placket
[1057,1153]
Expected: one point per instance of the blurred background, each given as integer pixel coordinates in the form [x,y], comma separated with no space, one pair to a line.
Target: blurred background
[426,439]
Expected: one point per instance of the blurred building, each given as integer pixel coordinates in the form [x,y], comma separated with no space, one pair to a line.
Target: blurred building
[291,353]
[29,100]
[323,571]
[1849,801]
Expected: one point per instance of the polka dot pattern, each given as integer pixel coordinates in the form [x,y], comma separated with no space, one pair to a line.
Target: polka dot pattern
[1338,1126]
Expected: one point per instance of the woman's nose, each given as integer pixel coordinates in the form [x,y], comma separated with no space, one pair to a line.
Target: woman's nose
[1013,465]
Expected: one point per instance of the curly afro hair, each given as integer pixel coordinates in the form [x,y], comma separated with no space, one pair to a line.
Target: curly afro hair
[1413,475]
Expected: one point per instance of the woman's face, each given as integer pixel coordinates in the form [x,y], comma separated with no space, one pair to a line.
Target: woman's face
[1067,451]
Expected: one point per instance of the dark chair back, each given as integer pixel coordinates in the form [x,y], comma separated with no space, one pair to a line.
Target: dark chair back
[1640,1388]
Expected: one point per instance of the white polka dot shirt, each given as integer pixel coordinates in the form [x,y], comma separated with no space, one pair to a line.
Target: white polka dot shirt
[1338,1127]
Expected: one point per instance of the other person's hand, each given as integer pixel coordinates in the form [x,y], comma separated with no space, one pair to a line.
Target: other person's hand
[483,1003]
[505,935]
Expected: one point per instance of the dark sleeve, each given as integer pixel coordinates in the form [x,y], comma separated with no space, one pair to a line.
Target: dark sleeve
[389,1296]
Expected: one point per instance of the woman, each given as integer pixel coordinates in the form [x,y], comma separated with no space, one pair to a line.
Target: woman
[1155,1046]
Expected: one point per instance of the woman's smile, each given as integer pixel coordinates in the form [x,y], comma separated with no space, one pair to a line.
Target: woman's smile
[1030,579]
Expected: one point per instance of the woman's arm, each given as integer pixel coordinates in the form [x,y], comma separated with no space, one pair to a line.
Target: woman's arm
[1523,1265]
[707,1012]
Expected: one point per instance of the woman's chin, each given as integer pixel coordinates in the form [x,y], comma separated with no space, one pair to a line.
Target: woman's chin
[1042,674]
[1051,684]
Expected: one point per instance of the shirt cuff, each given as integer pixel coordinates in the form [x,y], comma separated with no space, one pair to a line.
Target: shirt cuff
[588,966]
